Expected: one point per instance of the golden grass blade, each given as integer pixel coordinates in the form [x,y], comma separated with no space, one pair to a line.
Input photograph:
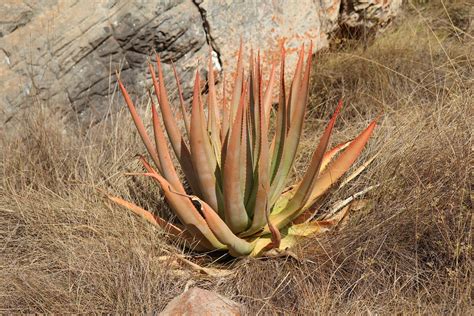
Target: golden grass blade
[358,171]
[351,199]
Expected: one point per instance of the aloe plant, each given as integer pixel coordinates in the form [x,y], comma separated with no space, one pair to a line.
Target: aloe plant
[237,170]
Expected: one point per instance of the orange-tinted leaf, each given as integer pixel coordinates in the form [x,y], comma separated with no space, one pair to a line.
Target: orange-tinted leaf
[234,209]
[168,170]
[181,101]
[203,157]
[307,184]
[150,217]
[236,245]
[186,212]
[341,164]
[139,124]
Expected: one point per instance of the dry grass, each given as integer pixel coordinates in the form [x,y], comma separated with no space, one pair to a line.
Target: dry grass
[64,249]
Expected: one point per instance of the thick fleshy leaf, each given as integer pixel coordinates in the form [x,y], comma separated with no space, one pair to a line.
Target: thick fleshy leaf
[150,217]
[318,227]
[237,246]
[307,184]
[181,101]
[168,116]
[172,229]
[330,154]
[262,186]
[342,163]
[278,143]
[292,140]
[332,174]
[238,86]
[261,244]
[275,233]
[295,89]
[213,127]
[268,97]
[234,208]
[168,170]
[204,160]
[358,171]
[246,151]
[185,210]
[290,191]
[156,86]
[225,115]
[139,124]
[238,179]
[177,142]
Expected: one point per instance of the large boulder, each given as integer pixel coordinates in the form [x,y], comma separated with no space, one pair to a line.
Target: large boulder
[65,53]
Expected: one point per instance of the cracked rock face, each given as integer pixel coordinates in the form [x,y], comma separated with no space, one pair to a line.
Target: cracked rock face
[65,53]
[68,51]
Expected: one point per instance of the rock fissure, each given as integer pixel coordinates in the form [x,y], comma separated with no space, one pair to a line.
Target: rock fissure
[207,29]
[44,56]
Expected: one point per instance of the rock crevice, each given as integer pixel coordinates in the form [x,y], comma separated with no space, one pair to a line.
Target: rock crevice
[207,30]
[66,53]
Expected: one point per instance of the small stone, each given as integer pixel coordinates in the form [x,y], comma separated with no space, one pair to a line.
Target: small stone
[197,301]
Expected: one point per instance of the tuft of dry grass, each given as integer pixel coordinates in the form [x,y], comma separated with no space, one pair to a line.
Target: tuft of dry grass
[64,249]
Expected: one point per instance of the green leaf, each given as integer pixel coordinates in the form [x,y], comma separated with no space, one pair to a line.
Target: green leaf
[204,162]
[234,209]
[294,133]
[307,184]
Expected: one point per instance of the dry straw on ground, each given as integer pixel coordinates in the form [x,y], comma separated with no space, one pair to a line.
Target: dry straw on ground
[63,248]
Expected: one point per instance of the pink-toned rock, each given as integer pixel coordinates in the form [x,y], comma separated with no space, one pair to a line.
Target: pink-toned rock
[198,302]
[264,25]
[64,53]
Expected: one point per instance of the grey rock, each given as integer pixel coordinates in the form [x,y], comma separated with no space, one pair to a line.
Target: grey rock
[65,53]
[69,51]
